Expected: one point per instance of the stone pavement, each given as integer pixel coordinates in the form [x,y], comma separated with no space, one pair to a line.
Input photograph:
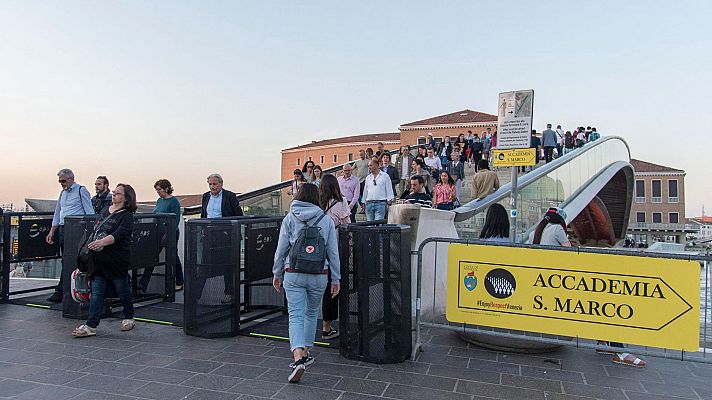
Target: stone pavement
[40,360]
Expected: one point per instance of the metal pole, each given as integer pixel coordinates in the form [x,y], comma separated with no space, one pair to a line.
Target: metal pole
[513,207]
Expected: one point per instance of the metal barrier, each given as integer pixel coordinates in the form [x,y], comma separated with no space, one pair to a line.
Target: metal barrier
[23,240]
[375,300]
[439,321]
[152,249]
[228,274]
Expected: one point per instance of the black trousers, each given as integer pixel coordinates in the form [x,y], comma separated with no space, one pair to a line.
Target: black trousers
[329,306]
[548,153]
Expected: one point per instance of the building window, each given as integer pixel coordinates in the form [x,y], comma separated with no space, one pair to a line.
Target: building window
[657,191]
[640,217]
[322,160]
[674,218]
[351,156]
[640,191]
[672,191]
[422,140]
[657,218]
[334,157]
[299,162]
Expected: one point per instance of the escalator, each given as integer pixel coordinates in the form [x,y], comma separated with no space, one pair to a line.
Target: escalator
[594,184]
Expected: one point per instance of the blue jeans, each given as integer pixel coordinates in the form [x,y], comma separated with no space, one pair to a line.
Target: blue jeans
[375,210]
[304,293]
[98,292]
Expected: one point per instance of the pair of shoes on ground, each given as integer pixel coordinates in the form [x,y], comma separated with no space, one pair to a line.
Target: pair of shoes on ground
[330,334]
[86,330]
[621,358]
[56,297]
[298,368]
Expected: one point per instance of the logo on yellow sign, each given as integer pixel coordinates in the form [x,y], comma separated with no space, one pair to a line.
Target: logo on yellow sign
[639,300]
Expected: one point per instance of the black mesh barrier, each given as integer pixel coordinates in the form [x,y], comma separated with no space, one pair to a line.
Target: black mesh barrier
[217,299]
[152,259]
[22,239]
[211,296]
[375,304]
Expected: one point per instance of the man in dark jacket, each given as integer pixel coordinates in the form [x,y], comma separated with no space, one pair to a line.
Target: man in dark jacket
[221,203]
[390,170]
[102,199]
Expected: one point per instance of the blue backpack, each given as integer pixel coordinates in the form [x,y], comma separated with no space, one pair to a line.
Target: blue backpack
[308,252]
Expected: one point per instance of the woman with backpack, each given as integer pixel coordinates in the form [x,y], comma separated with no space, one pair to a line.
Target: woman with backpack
[551,231]
[110,259]
[307,251]
[336,207]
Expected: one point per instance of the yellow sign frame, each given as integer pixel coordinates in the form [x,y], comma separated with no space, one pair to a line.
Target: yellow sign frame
[514,157]
[630,299]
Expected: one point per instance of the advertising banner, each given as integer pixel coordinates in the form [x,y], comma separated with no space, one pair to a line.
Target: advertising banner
[637,300]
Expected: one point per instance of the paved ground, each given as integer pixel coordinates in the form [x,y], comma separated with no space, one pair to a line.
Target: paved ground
[40,360]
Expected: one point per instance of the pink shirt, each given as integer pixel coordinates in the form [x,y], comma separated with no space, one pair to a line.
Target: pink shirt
[443,193]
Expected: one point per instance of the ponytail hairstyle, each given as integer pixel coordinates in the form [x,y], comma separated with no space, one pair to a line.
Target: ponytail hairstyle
[553,216]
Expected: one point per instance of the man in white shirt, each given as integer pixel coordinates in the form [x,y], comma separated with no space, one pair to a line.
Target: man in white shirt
[560,139]
[433,162]
[377,192]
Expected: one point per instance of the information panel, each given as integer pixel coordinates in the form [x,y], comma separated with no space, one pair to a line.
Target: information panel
[514,122]
[31,243]
[637,300]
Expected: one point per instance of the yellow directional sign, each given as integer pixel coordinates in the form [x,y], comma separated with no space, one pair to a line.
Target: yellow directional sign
[629,299]
[514,158]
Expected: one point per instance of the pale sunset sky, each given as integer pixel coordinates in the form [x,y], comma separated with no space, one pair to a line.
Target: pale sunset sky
[142,90]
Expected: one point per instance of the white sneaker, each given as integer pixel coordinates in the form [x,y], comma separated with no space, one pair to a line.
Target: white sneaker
[127,324]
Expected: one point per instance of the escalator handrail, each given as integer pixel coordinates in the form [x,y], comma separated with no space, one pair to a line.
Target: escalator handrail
[466,211]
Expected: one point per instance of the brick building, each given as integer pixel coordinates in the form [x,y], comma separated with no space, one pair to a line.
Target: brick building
[337,151]
[658,210]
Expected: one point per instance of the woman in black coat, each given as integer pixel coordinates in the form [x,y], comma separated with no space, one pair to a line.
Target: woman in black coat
[110,259]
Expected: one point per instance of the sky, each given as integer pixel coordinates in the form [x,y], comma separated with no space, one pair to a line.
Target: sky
[140,90]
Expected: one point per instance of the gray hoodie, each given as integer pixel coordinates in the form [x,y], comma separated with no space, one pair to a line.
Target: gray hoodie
[301,213]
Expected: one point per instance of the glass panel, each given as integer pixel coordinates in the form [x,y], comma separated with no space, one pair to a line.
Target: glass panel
[674,218]
[657,188]
[672,188]
[657,218]
[640,217]
[639,188]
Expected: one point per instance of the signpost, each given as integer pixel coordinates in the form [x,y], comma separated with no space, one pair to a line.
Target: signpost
[638,300]
[514,127]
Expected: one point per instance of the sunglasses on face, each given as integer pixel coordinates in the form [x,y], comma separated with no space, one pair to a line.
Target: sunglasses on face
[62,180]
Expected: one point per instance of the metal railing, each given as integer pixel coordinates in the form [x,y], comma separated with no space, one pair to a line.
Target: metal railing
[439,321]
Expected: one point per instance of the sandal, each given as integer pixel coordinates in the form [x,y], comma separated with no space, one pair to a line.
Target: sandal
[629,360]
[605,351]
[127,324]
[84,331]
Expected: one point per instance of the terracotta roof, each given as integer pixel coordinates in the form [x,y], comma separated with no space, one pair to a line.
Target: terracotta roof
[368,137]
[702,220]
[459,117]
[644,166]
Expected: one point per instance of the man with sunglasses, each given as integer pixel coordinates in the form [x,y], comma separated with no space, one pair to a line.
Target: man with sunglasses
[74,199]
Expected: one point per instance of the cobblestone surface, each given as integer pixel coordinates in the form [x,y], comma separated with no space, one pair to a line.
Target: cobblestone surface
[39,359]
